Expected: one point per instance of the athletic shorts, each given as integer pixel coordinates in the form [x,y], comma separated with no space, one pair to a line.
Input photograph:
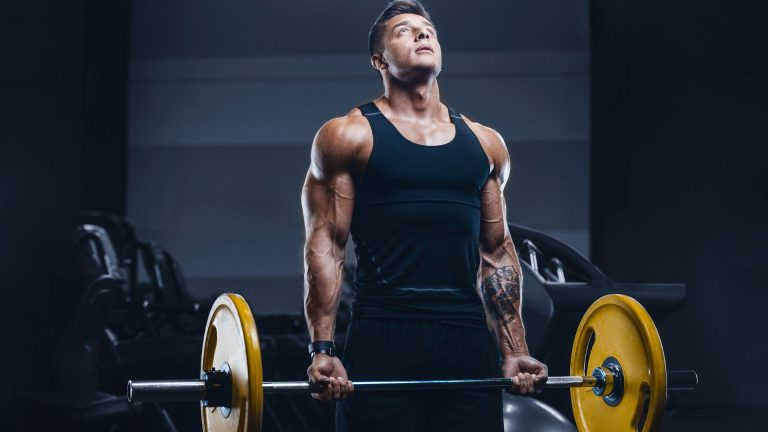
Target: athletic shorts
[402,349]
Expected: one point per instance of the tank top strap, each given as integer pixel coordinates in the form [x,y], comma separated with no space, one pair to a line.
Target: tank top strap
[380,126]
[457,119]
[462,129]
[369,109]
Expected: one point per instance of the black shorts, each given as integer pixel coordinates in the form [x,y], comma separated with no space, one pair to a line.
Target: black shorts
[379,349]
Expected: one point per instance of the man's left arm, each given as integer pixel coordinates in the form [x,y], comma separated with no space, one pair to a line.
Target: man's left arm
[500,284]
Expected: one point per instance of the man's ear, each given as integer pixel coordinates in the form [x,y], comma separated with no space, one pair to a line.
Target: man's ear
[377,61]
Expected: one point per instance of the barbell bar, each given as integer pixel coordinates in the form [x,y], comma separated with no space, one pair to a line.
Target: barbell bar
[616,340]
[207,390]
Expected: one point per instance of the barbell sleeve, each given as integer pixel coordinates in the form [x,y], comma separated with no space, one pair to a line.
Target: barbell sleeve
[166,391]
[214,388]
[682,380]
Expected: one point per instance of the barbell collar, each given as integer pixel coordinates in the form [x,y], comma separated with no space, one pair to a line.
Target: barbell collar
[218,387]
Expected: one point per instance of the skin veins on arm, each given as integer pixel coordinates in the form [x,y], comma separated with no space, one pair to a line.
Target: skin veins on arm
[500,282]
[327,201]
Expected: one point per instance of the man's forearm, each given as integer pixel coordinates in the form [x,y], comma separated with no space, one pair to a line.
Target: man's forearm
[501,288]
[322,291]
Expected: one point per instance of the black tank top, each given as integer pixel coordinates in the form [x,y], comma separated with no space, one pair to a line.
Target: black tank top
[416,226]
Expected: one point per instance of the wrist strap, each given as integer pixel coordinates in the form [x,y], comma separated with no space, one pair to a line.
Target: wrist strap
[322,347]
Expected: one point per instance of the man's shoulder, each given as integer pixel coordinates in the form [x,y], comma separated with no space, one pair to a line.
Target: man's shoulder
[348,131]
[489,138]
[486,134]
[341,140]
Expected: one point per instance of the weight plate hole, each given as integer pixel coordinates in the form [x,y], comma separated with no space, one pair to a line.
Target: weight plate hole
[646,406]
[588,351]
[213,339]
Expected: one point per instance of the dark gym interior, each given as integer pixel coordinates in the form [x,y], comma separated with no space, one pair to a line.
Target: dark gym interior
[181,132]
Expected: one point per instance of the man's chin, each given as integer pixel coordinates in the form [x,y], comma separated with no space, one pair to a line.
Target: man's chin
[425,69]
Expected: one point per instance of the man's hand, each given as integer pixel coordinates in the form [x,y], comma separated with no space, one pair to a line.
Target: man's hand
[329,374]
[529,373]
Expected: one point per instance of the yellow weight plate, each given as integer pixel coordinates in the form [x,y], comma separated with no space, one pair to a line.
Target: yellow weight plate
[618,326]
[231,338]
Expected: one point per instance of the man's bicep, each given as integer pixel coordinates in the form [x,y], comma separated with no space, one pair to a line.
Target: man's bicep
[494,233]
[327,205]
[493,219]
[328,192]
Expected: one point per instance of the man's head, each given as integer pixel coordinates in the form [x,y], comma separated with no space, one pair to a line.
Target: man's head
[403,41]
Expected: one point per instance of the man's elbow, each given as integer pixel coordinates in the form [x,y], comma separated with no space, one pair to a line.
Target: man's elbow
[497,250]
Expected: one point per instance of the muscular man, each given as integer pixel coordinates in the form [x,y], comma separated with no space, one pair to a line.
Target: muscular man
[420,189]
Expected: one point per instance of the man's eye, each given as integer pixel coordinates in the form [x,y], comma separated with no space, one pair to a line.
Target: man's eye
[404,29]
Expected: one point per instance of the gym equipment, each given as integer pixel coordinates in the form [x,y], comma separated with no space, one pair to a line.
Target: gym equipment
[616,342]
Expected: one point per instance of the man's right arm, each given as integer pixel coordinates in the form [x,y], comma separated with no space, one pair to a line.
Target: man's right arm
[327,202]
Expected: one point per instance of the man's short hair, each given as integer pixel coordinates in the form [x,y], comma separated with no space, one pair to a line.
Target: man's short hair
[393,9]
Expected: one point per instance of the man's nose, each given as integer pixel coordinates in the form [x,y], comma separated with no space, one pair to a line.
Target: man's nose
[422,34]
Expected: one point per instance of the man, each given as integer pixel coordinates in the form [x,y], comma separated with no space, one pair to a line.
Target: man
[420,189]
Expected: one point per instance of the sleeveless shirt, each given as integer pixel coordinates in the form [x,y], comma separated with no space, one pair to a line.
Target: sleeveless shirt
[416,226]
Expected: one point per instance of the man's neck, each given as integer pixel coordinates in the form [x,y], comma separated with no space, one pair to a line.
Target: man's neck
[416,101]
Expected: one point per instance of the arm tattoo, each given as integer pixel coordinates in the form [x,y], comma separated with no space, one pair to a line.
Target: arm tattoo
[502,294]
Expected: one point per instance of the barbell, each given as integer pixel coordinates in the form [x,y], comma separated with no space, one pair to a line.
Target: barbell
[616,341]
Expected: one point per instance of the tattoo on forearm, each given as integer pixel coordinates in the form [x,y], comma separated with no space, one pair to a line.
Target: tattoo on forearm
[502,294]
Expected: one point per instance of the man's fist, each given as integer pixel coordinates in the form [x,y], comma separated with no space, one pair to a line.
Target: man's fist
[526,372]
[329,374]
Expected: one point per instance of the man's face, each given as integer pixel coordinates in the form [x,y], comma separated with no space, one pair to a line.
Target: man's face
[410,46]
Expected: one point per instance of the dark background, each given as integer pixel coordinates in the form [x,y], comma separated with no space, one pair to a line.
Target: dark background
[676,188]
[679,188]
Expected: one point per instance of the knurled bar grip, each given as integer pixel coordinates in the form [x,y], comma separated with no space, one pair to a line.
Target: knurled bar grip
[552,382]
